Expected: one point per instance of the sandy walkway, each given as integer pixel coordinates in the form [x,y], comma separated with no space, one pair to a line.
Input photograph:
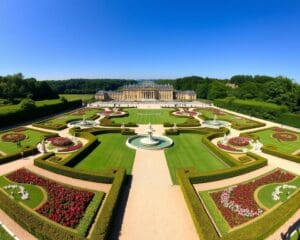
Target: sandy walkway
[155,209]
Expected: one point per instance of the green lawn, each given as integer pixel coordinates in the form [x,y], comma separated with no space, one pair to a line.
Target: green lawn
[83,97]
[32,139]
[112,152]
[36,195]
[189,151]
[266,138]
[65,118]
[4,235]
[145,116]
[265,193]
[233,119]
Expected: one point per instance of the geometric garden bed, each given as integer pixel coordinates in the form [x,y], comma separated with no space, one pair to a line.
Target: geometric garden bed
[241,203]
[64,205]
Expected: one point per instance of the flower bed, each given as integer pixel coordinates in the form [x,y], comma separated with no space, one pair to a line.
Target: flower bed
[81,112]
[186,113]
[217,111]
[13,137]
[237,204]
[228,148]
[285,136]
[20,129]
[60,141]
[112,113]
[71,148]
[65,205]
[239,141]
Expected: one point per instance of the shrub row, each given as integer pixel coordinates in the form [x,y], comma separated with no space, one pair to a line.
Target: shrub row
[18,114]
[27,151]
[190,122]
[103,224]
[33,223]
[259,229]
[253,108]
[90,215]
[290,119]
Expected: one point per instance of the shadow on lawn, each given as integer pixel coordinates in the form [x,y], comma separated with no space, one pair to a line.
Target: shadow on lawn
[292,228]
[120,210]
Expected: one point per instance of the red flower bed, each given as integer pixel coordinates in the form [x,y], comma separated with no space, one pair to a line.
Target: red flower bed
[239,141]
[278,129]
[20,129]
[237,203]
[217,111]
[186,112]
[285,136]
[65,205]
[13,137]
[228,148]
[107,113]
[81,112]
[60,141]
[71,148]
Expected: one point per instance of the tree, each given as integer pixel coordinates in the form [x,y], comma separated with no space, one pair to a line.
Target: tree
[27,105]
[217,90]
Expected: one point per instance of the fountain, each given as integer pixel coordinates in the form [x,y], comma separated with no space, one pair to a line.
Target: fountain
[82,123]
[148,141]
[215,123]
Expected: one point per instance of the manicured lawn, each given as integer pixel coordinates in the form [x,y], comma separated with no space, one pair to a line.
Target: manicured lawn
[145,116]
[4,235]
[32,139]
[265,193]
[189,151]
[112,152]
[36,195]
[83,97]
[233,119]
[65,118]
[266,138]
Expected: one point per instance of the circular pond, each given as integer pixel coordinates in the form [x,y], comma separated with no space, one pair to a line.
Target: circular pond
[143,142]
[82,123]
[215,123]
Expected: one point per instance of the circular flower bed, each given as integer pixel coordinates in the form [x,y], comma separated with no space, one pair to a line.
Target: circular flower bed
[60,141]
[13,137]
[239,141]
[81,112]
[285,136]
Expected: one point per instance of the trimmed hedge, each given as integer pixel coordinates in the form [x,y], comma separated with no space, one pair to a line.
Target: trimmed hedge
[11,157]
[254,108]
[33,223]
[259,229]
[17,115]
[290,119]
[103,224]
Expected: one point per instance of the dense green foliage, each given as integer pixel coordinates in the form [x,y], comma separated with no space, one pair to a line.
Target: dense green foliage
[28,110]
[83,86]
[15,86]
[253,108]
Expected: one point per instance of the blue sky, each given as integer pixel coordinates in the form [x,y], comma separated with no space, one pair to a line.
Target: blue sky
[55,39]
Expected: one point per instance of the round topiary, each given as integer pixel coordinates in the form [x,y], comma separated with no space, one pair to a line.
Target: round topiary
[13,137]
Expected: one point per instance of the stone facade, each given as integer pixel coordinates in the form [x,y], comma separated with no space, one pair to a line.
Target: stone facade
[146,91]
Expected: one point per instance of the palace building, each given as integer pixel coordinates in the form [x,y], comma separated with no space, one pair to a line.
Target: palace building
[146,91]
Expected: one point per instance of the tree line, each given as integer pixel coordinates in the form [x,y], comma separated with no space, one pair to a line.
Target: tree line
[13,87]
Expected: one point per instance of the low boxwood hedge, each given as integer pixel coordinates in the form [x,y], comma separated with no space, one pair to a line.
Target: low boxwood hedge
[11,157]
[103,225]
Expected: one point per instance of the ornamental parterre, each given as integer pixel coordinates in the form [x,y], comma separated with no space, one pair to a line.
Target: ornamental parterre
[13,137]
[237,204]
[64,205]
[285,136]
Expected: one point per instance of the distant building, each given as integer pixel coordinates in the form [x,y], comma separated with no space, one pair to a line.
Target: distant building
[146,91]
